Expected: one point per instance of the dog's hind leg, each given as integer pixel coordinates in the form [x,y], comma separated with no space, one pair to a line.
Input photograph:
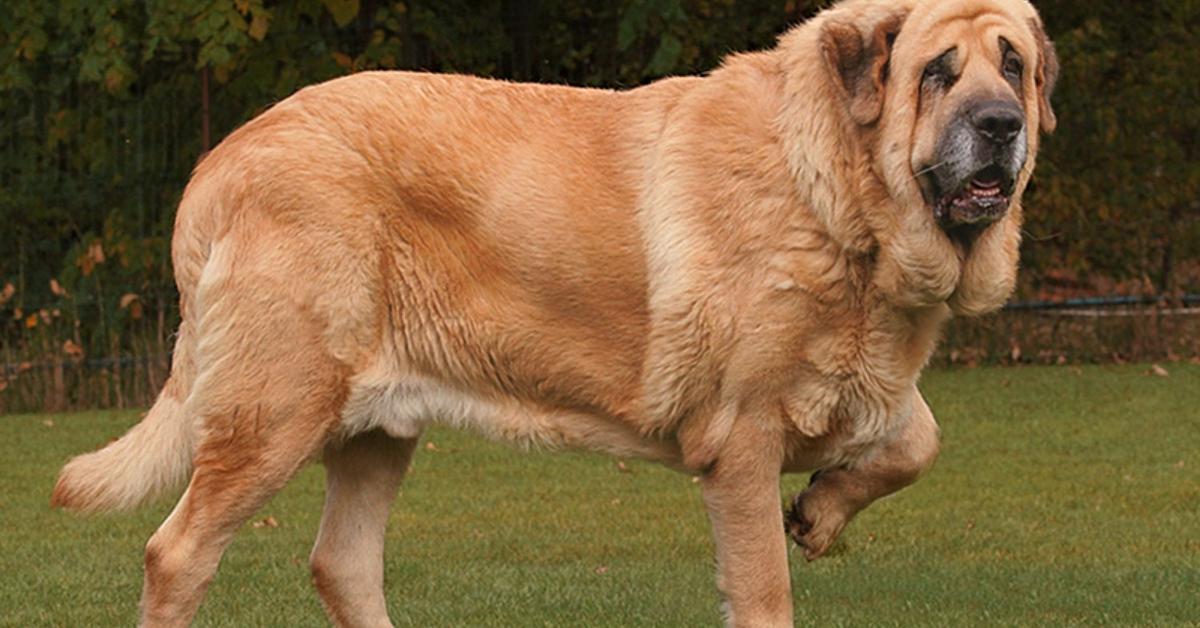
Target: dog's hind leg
[362,477]
[819,514]
[236,472]
[267,397]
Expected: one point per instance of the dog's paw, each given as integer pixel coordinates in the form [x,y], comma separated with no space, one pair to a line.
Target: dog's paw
[813,528]
[795,523]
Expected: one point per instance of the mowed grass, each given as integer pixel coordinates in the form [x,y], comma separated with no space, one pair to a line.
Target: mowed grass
[1063,496]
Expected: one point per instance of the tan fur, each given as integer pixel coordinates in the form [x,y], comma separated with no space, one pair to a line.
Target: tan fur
[734,275]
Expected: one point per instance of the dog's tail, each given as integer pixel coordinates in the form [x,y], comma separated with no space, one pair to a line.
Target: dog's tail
[156,455]
[153,457]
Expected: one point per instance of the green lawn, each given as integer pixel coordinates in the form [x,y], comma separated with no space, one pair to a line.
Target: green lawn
[1063,496]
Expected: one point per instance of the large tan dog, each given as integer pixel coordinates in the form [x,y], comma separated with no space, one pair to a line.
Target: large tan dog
[736,275]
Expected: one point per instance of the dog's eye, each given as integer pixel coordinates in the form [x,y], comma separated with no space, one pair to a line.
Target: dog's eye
[938,73]
[1013,67]
[934,73]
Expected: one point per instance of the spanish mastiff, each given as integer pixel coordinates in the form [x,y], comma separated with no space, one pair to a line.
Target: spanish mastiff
[736,275]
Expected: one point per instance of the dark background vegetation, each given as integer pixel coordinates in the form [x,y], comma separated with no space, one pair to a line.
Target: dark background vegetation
[106,106]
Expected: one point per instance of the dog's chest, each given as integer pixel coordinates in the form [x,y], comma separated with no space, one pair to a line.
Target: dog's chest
[840,418]
[854,379]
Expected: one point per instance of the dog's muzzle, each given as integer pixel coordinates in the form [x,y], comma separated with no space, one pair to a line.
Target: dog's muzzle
[977,164]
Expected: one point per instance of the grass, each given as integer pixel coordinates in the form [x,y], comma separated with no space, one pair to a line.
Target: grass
[1064,496]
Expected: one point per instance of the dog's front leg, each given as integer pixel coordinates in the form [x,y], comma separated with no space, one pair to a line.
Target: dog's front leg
[819,514]
[741,494]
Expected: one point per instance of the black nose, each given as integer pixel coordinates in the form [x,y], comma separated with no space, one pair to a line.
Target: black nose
[999,121]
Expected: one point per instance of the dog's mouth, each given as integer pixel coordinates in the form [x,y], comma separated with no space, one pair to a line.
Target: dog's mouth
[981,200]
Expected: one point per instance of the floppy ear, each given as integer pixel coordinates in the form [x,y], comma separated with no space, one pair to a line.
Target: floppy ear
[1046,77]
[858,62]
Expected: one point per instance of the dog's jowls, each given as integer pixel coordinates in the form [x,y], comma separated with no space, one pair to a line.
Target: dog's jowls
[736,275]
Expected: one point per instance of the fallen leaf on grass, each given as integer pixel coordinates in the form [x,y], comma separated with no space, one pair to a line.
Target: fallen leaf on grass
[602,570]
[48,423]
[267,522]
[1158,371]
[622,468]
[430,446]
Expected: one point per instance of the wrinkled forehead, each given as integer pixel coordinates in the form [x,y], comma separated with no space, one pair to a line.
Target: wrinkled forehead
[971,26]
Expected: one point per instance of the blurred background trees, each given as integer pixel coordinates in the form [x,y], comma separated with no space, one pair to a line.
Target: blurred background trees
[107,104]
[1118,193]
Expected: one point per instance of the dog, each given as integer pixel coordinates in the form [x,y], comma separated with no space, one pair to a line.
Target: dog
[737,275]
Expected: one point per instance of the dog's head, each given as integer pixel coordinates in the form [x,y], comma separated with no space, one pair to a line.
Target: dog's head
[950,95]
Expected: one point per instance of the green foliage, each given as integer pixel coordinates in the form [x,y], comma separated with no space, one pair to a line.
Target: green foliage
[660,21]
[1118,185]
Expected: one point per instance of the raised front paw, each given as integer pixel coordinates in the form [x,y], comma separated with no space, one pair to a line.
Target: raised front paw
[814,523]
